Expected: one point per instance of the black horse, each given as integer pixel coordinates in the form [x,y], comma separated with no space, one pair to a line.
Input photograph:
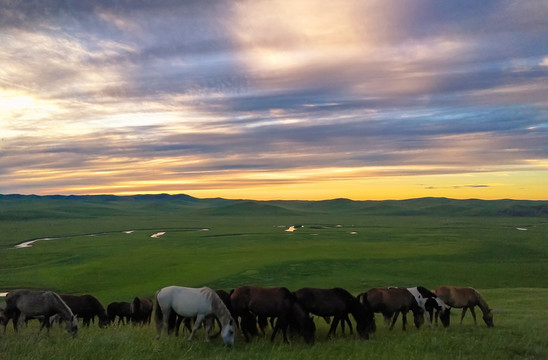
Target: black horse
[122,310]
[86,307]
[249,302]
[337,302]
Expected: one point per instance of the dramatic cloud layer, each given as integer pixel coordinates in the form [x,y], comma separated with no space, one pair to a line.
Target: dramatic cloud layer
[275,99]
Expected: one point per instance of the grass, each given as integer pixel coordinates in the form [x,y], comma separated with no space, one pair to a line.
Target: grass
[244,244]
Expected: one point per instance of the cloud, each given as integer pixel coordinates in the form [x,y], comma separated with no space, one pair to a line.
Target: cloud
[101,94]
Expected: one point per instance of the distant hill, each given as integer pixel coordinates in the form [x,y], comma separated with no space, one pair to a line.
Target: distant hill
[21,207]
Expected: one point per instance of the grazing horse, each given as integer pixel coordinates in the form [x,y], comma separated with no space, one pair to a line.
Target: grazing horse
[86,307]
[43,304]
[187,322]
[391,302]
[190,302]
[120,309]
[428,302]
[465,298]
[141,310]
[337,302]
[250,302]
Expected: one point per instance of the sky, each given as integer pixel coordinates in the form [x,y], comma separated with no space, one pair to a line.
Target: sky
[281,99]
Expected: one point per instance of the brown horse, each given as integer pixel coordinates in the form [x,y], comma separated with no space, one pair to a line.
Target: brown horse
[248,302]
[391,302]
[141,310]
[465,298]
[337,302]
[39,304]
[86,307]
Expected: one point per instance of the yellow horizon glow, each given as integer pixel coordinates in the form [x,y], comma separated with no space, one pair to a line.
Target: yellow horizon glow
[487,186]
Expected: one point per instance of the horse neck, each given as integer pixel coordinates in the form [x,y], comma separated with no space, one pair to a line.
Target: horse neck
[219,309]
[356,309]
[482,304]
[61,307]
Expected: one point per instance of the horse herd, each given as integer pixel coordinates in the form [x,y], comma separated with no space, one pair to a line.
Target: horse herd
[250,309]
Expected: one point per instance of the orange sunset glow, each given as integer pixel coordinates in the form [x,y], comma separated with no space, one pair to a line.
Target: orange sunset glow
[275,99]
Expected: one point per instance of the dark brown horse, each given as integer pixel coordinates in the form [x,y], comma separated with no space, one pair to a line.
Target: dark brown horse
[86,307]
[337,302]
[122,310]
[465,298]
[391,302]
[248,302]
[141,310]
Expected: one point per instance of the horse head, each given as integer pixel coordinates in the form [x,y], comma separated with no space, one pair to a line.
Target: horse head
[488,318]
[308,330]
[418,317]
[365,320]
[72,326]
[303,322]
[228,333]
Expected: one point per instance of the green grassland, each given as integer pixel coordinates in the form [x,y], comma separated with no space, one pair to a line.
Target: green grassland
[226,243]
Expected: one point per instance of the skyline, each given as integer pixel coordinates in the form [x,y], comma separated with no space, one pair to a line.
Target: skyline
[267,100]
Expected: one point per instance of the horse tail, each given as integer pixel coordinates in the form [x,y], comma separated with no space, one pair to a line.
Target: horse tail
[158,314]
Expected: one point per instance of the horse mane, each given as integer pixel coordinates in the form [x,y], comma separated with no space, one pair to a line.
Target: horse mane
[482,303]
[218,307]
[425,292]
[63,305]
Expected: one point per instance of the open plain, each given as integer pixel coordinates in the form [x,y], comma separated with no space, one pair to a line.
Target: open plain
[105,246]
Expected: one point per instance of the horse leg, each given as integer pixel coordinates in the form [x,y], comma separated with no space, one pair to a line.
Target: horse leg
[280,323]
[404,319]
[275,331]
[262,321]
[162,321]
[196,326]
[15,320]
[473,312]
[430,314]
[347,320]
[462,314]
[44,323]
[387,319]
[333,327]
[394,318]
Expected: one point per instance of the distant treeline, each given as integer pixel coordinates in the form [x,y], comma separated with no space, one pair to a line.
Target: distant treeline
[21,207]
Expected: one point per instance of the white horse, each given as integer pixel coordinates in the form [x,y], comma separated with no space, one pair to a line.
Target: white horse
[190,302]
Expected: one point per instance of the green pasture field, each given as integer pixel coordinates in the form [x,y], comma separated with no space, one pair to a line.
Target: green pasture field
[225,245]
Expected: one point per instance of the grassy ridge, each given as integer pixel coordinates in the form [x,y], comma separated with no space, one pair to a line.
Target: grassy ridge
[355,245]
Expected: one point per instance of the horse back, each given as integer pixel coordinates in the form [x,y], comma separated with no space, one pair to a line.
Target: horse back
[457,296]
[185,301]
[325,302]
[262,301]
